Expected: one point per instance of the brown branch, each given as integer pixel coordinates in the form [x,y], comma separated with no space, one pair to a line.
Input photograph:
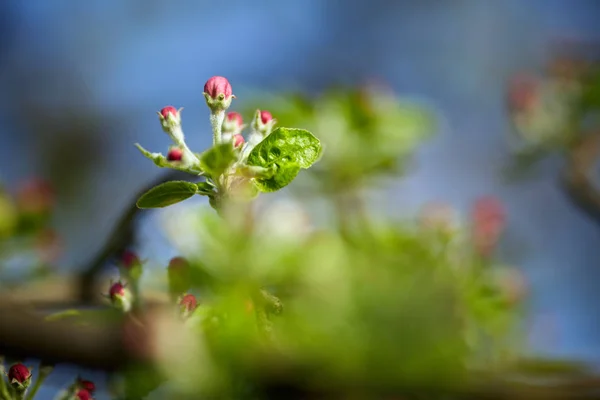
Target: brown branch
[578,177]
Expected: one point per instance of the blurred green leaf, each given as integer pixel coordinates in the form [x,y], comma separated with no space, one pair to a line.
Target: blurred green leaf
[217,159]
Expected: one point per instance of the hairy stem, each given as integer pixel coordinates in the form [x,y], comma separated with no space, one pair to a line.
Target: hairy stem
[216,121]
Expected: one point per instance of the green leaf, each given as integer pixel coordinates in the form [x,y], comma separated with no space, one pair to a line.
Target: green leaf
[283,176]
[167,194]
[217,159]
[285,146]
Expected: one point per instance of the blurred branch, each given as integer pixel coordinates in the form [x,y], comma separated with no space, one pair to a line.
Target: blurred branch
[578,177]
[24,335]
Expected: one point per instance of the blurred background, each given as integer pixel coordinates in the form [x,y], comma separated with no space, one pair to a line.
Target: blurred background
[82,81]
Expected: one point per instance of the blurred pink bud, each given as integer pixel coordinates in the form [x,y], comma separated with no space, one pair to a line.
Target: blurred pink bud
[217,86]
[19,373]
[489,220]
[129,259]
[188,303]
[265,117]
[87,385]
[116,290]
[523,93]
[175,154]
[235,117]
[169,110]
[83,394]
[35,196]
[238,140]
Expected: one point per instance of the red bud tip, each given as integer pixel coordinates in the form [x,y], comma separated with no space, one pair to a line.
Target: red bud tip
[83,394]
[175,154]
[129,259]
[87,385]
[168,110]
[188,302]
[178,263]
[265,117]
[117,289]
[238,140]
[216,86]
[19,373]
[235,117]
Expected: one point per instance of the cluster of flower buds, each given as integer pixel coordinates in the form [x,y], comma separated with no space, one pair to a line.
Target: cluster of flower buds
[170,120]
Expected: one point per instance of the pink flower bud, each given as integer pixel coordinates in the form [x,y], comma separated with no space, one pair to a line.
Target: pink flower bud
[87,385]
[116,290]
[83,394]
[129,259]
[523,93]
[169,110]
[238,140]
[218,88]
[188,303]
[35,196]
[175,154]
[235,117]
[265,117]
[19,373]
[488,223]
[233,123]
[218,94]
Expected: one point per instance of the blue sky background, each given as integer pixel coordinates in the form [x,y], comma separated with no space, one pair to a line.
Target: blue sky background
[121,61]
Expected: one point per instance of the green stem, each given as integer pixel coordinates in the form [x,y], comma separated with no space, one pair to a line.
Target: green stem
[20,394]
[3,388]
[216,121]
[43,374]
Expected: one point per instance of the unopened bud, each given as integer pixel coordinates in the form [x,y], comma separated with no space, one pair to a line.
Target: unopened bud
[19,376]
[175,154]
[263,122]
[238,141]
[187,304]
[87,385]
[35,196]
[170,118]
[120,296]
[488,223]
[218,93]
[233,124]
[179,276]
[129,259]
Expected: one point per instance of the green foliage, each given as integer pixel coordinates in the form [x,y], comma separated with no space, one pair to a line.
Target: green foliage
[284,152]
[217,159]
[167,194]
